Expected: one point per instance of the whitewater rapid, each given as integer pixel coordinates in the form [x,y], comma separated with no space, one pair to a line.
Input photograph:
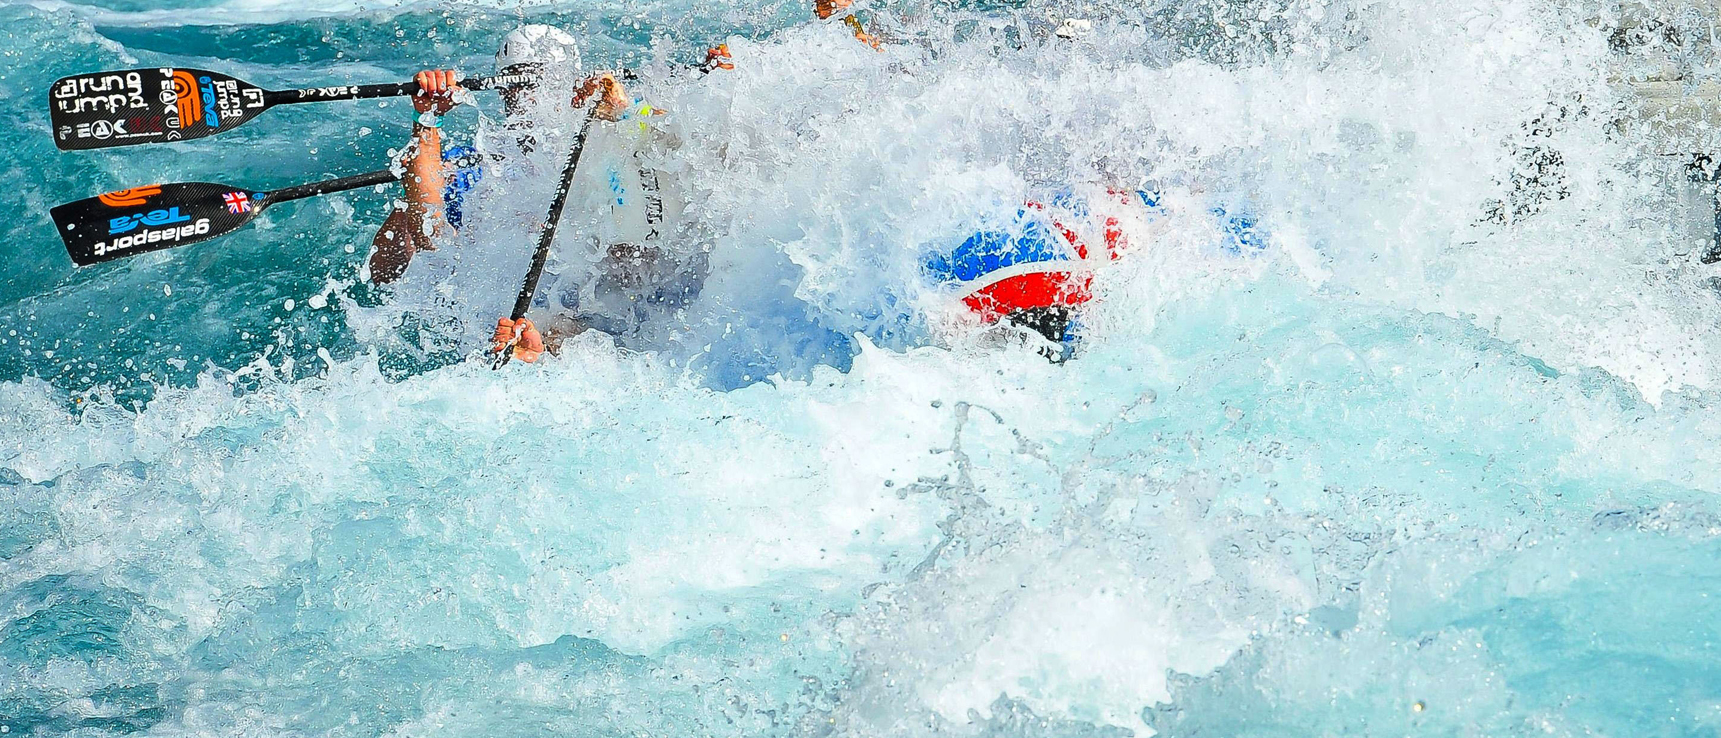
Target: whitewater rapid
[1410,469]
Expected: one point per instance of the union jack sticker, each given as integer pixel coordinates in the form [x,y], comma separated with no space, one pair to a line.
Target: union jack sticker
[237,202]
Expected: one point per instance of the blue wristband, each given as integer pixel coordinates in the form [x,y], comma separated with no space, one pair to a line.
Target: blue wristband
[428,120]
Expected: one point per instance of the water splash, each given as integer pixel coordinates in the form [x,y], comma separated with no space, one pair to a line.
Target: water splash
[1413,467]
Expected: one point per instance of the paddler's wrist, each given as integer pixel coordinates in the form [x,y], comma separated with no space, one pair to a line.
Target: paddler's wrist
[426,120]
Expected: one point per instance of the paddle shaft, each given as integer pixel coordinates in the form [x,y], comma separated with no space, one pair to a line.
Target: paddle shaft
[523,303]
[548,235]
[395,89]
[357,181]
[541,255]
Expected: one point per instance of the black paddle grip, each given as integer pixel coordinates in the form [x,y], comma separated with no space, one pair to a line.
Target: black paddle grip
[401,89]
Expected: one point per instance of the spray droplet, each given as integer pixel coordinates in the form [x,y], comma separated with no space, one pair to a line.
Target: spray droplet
[289,304]
[1418,706]
[167,289]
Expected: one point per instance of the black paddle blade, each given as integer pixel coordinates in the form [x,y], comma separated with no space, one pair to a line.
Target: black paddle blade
[145,219]
[142,106]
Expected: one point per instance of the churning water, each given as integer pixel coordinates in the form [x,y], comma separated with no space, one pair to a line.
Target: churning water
[1440,459]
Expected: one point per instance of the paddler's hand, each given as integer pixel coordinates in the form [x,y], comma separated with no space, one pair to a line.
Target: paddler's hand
[527,342]
[717,57]
[862,36]
[435,91]
[613,101]
[827,8]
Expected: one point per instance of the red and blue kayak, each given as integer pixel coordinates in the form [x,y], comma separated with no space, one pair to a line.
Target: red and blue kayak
[1036,268]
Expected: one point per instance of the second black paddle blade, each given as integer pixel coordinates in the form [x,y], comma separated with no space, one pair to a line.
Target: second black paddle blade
[152,218]
[141,106]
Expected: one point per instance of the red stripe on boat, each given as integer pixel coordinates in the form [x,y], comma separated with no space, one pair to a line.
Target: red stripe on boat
[1021,292]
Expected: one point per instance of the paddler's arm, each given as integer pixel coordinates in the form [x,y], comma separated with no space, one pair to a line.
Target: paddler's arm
[411,229]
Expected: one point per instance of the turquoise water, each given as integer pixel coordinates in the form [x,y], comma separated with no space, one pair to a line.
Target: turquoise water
[1408,471]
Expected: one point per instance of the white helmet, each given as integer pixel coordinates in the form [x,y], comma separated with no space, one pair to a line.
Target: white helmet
[538,44]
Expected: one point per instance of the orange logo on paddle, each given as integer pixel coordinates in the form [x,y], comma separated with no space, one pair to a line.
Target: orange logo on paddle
[186,98]
[129,197]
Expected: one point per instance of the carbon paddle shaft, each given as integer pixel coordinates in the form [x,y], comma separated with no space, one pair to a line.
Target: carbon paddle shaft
[355,182]
[523,303]
[530,287]
[367,92]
